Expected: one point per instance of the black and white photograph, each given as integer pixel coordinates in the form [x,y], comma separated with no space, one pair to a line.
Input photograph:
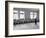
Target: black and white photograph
[24,18]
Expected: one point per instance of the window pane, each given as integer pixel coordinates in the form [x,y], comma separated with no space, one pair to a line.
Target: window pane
[35,15]
[22,16]
[31,15]
[15,16]
[15,11]
[21,11]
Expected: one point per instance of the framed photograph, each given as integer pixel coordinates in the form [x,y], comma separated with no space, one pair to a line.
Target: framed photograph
[24,18]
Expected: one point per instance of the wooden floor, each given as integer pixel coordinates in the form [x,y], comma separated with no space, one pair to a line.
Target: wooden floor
[26,26]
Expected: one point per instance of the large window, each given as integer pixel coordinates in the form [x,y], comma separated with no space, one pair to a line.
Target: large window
[15,14]
[33,15]
[22,16]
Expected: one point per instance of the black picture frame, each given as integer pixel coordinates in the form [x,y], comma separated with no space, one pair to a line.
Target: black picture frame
[6,18]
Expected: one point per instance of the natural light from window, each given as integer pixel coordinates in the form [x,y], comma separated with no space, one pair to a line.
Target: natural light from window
[22,16]
[15,15]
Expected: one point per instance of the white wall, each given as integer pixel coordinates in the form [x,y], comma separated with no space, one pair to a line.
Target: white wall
[2,19]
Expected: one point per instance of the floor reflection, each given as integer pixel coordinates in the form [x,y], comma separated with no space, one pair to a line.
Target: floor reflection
[26,26]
